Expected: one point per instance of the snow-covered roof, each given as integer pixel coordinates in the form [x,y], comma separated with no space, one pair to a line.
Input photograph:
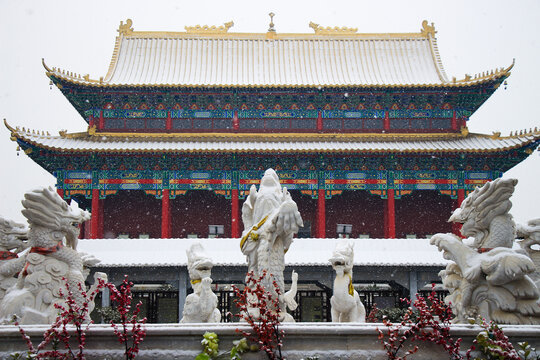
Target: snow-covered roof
[172,252]
[327,58]
[274,143]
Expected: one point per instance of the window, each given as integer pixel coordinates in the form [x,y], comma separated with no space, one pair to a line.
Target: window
[135,123]
[114,124]
[251,124]
[303,123]
[222,124]
[181,124]
[215,231]
[155,124]
[344,230]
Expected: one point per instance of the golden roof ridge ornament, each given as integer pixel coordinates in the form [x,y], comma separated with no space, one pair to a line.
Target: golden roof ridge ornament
[125,29]
[206,29]
[428,29]
[336,30]
[271,27]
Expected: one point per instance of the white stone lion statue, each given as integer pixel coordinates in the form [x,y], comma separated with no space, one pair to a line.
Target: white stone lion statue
[271,218]
[487,277]
[13,240]
[53,236]
[201,305]
[345,302]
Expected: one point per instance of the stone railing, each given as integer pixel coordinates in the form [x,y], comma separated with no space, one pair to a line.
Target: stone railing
[325,341]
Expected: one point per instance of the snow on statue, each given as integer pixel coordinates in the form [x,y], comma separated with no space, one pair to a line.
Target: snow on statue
[13,238]
[270,219]
[488,278]
[201,306]
[346,304]
[39,284]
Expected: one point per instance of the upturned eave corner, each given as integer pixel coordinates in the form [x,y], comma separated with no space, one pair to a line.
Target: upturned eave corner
[10,128]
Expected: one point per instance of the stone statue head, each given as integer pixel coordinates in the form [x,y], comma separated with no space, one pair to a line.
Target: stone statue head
[343,257]
[199,264]
[43,207]
[12,235]
[482,206]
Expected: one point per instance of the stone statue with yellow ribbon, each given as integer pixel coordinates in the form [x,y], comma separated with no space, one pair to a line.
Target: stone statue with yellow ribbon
[271,218]
[345,302]
[201,305]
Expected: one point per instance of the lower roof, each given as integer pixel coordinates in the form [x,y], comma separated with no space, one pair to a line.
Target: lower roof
[92,142]
[226,252]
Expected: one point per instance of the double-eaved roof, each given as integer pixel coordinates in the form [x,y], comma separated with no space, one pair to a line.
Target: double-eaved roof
[213,57]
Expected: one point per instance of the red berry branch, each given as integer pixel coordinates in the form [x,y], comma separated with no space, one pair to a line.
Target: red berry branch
[72,316]
[130,326]
[260,309]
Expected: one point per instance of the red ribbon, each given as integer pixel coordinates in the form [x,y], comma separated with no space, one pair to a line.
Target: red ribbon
[42,251]
[8,255]
[49,250]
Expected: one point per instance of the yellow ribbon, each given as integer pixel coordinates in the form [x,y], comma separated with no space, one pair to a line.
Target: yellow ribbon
[253,237]
[351,287]
[193,282]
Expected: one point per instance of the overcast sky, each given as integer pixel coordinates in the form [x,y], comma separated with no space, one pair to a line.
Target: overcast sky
[473,36]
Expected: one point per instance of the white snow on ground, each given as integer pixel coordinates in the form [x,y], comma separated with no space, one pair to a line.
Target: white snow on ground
[172,252]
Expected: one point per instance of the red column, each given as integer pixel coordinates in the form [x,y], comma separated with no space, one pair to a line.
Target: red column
[60,192]
[100,219]
[235,123]
[101,124]
[319,121]
[454,121]
[456,227]
[168,125]
[165,215]
[235,226]
[95,214]
[386,121]
[391,215]
[321,215]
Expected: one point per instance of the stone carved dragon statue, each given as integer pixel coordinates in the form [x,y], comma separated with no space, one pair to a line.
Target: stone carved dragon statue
[345,302]
[488,278]
[530,235]
[270,219]
[201,306]
[13,240]
[40,284]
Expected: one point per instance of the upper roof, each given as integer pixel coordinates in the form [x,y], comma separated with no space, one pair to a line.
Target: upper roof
[211,56]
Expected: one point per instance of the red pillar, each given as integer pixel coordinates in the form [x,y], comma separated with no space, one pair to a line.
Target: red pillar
[94,221]
[321,215]
[235,123]
[168,124]
[165,215]
[386,123]
[101,124]
[235,226]
[454,121]
[100,219]
[456,227]
[319,121]
[391,215]
[60,192]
